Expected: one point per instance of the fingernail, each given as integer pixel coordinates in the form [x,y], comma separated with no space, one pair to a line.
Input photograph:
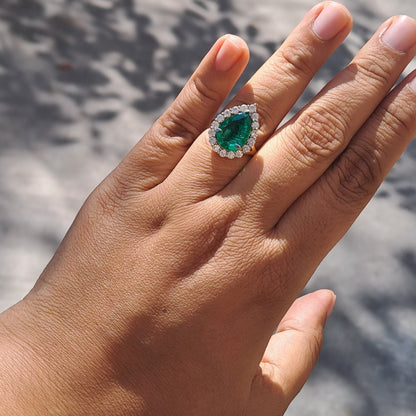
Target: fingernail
[330,310]
[330,21]
[401,34]
[229,53]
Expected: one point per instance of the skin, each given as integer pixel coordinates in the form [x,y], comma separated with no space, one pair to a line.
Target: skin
[164,295]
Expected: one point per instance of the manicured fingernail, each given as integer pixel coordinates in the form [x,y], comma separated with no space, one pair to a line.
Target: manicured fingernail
[229,53]
[332,19]
[401,34]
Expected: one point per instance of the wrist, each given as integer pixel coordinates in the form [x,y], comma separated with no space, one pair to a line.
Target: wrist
[45,371]
[33,367]
[21,380]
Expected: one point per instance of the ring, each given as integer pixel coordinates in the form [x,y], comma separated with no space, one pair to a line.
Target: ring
[233,132]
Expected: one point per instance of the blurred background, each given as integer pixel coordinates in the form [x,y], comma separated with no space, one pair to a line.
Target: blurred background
[81,81]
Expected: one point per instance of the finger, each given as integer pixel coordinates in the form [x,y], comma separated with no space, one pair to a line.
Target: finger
[301,152]
[324,213]
[154,157]
[291,354]
[282,79]
[275,88]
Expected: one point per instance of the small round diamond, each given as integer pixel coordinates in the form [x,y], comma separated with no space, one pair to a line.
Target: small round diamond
[227,113]
[235,110]
[223,153]
[255,116]
[246,149]
[255,125]
[251,142]
[230,155]
[243,108]
[238,153]
[216,148]
[219,118]
[213,140]
[252,108]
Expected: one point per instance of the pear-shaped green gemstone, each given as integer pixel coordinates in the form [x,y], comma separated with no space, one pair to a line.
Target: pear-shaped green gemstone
[234,132]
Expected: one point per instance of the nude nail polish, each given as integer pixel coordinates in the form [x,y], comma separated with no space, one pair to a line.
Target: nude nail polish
[229,53]
[401,34]
[332,19]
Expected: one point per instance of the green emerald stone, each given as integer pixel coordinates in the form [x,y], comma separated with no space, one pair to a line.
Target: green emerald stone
[234,132]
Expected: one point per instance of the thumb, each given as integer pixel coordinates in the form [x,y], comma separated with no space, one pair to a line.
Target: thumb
[291,354]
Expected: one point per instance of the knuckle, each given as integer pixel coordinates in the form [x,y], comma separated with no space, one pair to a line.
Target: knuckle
[118,195]
[110,197]
[182,118]
[317,136]
[314,344]
[311,337]
[356,176]
[298,61]
[372,69]
[271,280]
[203,91]
[175,123]
[395,119]
[116,200]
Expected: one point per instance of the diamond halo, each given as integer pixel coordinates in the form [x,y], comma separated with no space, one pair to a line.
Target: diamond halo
[240,149]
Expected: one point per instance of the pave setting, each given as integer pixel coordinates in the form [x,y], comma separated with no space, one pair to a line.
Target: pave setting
[233,132]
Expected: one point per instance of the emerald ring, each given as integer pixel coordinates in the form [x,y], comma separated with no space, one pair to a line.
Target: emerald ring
[233,132]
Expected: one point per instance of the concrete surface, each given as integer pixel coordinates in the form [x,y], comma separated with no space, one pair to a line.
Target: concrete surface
[81,81]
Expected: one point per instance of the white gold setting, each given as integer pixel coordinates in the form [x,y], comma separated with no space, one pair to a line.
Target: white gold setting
[215,127]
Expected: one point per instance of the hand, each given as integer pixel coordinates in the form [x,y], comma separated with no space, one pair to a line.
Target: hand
[164,295]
